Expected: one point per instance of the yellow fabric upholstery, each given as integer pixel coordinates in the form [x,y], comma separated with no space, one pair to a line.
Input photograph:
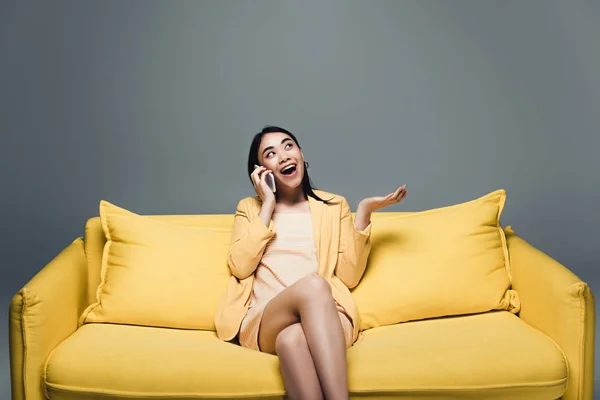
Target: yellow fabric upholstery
[556,302]
[439,262]
[148,360]
[158,274]
[480,356]
[43,314]
[424,359]
[95,239]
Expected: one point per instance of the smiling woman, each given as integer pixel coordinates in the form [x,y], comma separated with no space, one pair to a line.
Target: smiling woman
[294,254]
[279,140]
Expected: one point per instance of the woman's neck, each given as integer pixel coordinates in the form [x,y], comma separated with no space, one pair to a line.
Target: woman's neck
[295,202]
[297,208]
[291,199]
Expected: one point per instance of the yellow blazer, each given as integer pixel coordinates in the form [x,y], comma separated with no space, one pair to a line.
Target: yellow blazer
[342,253]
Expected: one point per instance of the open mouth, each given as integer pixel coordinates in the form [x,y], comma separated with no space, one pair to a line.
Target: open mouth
[289,171]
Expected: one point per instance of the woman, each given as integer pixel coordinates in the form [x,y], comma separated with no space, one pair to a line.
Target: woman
[294,255]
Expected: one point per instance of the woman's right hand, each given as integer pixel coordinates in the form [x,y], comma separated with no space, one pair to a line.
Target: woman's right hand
[260,185]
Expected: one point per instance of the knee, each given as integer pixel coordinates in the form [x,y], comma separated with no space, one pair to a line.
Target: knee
[290,339]
[313,287]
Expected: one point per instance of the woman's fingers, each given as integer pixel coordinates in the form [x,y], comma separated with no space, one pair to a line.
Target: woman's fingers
[263,177]
[255,173]
[403,195]
[399,194]
[258,180]
[392,198]
[396,193]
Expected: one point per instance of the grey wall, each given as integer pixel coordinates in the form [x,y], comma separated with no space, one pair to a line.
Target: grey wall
[152,105]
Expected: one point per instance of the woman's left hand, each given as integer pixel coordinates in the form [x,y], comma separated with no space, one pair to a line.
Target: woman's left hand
[379,202]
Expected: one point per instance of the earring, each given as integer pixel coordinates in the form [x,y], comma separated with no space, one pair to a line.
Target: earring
[305,165]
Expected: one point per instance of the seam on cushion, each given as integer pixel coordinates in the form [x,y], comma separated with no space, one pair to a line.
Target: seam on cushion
[562,353]
[85,243]
[103,221]
[91,307]
[506,254]
[103,271]
[580,380]
[483,198]
[98,302]
[130,394]
[559,382]
[501,205]
[24,338]
[45,373]
[86,252]
[230,395]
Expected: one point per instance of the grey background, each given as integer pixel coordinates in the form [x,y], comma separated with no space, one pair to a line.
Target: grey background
[152,105]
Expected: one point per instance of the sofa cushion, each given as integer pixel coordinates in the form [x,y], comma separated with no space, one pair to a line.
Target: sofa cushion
[487,356]
[493,355]
[95,240]
[445,261]
[127,361]
[158,274]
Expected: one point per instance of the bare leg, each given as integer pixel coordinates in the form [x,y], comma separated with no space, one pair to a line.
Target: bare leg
[310,302]
[297,366]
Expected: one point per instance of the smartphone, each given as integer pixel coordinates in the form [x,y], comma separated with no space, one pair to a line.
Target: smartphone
[270,179]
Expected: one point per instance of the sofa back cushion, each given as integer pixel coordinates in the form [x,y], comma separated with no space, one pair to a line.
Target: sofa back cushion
[95,239]
[158,273]
[446,261]
[440,262]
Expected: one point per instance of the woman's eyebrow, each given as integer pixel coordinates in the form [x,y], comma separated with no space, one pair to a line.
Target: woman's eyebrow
[271,147]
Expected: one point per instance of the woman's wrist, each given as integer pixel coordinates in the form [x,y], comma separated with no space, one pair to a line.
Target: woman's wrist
[363,216]
[365,206]
[266,212]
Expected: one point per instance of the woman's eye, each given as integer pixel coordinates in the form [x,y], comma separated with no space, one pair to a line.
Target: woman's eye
[271,152]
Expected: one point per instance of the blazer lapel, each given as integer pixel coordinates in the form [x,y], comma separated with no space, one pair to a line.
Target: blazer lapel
[325,233]
[316,212]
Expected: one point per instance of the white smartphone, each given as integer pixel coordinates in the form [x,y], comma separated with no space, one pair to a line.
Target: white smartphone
[270,179]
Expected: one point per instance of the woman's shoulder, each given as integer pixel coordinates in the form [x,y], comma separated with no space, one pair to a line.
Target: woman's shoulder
[248,201]
[329,196]
[255,201]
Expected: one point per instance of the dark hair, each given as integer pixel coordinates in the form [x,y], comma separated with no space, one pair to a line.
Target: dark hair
[253,159]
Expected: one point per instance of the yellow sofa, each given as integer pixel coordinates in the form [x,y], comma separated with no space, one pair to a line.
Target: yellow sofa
[546,351]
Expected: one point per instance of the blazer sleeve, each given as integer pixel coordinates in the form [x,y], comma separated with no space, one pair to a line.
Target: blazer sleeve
[249,239]
[354,249]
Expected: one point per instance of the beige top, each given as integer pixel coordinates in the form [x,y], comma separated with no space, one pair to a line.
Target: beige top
[289,256]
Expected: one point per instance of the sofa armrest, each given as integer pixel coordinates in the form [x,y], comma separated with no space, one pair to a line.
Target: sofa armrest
[43,314]
[555,301]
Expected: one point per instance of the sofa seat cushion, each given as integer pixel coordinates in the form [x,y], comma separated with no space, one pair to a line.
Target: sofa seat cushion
[483,356]
[128,361]
[492,355]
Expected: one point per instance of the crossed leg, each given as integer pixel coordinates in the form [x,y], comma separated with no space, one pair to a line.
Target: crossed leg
[302,327]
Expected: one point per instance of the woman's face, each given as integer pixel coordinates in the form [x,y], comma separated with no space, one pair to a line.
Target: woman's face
[277,152]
